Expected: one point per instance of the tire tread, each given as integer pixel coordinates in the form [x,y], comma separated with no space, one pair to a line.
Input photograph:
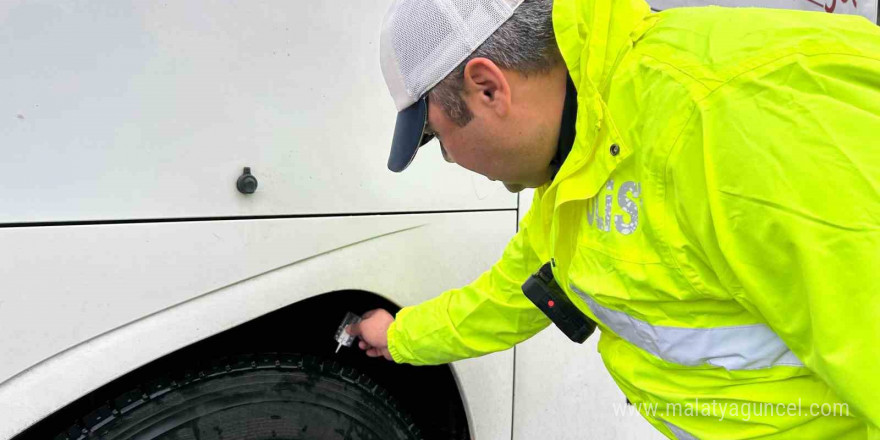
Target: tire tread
[123,405]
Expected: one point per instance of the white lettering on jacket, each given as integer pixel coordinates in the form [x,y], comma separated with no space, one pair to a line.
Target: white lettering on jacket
[626,201]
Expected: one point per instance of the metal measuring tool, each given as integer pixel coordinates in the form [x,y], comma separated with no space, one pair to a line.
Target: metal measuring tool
[342,336]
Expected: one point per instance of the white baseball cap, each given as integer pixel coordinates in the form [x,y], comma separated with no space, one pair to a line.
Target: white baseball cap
[422,41]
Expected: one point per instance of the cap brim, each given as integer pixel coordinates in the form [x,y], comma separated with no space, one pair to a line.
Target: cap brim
[409,135]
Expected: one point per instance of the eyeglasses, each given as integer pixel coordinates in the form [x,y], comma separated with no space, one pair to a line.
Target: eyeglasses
[427,136]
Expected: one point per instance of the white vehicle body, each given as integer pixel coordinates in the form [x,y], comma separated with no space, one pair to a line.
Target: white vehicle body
[124,126]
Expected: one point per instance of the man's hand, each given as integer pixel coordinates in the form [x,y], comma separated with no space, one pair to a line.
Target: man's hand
[373,331]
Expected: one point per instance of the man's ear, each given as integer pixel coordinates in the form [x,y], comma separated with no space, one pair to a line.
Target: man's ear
[485,86]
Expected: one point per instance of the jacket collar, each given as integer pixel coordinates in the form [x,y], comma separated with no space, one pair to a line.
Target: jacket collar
[567,129]
[592,33]
[592,36]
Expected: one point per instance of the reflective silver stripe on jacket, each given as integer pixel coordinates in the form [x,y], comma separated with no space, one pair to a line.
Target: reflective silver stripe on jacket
[680,434]
[743,347]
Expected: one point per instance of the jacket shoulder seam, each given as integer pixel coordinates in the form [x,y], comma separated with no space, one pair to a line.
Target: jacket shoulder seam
[682,71]
[739,75]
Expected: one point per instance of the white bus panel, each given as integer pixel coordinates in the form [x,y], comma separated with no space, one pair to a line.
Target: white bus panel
[143,110]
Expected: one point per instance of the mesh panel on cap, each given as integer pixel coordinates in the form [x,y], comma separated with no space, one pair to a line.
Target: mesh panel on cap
[431,37]
[482,18]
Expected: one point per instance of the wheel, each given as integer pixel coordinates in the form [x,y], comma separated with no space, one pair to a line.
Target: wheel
[253,397]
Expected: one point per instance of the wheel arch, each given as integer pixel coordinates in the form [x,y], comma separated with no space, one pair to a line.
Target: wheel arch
[430,394]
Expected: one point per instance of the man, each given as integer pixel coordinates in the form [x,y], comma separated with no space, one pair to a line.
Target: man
[707,192]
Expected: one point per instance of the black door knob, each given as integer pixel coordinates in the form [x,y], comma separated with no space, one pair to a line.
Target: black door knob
[246,183]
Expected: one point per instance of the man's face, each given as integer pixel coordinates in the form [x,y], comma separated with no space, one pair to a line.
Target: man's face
[515,127]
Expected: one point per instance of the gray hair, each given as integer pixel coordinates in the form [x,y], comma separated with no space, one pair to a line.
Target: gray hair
[525,43]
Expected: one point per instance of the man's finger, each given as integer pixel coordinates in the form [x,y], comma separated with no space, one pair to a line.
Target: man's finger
[363,345]
[373,352]
[353,329]
[368,314]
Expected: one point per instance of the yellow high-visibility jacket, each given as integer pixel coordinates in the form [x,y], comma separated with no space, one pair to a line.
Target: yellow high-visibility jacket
[718,217]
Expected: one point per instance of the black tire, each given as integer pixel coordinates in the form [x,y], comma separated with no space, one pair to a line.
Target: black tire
[253,397]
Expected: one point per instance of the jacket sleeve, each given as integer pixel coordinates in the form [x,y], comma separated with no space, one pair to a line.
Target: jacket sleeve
[491,314]
[792,172]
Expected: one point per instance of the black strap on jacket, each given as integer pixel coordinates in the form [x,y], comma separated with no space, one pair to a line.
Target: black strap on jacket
[567,128]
